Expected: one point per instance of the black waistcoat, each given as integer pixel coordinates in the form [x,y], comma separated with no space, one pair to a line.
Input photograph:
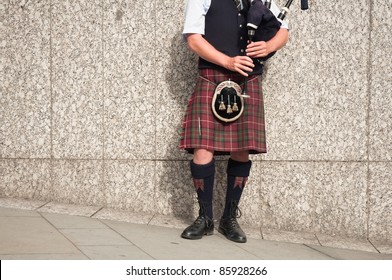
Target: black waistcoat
[225,29]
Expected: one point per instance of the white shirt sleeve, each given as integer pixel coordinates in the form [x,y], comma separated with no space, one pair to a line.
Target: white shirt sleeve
[195,13]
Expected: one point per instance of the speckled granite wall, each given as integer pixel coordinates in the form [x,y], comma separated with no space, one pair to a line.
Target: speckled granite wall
[92,96]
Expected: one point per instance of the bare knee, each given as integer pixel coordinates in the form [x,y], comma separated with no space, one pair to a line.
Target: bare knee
[202,156]
[242,156]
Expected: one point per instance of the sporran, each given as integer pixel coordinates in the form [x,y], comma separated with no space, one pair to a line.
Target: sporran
[227,102]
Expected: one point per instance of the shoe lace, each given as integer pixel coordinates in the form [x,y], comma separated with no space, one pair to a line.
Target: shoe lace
[199,220]
[202,218]
[235,211]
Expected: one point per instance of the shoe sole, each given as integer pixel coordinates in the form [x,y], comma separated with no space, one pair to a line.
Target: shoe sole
[197,237]
[223,232]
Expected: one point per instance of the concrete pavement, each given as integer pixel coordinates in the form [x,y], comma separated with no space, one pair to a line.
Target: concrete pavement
[35,232]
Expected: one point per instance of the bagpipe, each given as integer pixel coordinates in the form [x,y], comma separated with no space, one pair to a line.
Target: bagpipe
[262,24]
[228,99]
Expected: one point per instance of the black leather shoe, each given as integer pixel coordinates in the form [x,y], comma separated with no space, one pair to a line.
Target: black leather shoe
[202,226]
[230,228]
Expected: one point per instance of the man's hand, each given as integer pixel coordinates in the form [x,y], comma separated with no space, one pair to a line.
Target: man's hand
[240,64]
[262,48]
[258,49]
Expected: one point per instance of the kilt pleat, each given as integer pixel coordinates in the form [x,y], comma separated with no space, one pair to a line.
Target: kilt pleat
[202,130]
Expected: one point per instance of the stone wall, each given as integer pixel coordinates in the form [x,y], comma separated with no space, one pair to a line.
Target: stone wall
[92,96]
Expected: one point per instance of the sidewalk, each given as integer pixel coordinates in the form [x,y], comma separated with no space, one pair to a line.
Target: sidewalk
[36,233]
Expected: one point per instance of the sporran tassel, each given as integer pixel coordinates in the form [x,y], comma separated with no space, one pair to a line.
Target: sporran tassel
[229,110]
[222,106]
[235,105]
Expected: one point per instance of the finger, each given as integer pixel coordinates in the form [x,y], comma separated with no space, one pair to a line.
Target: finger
[242,73]
[253,51]
[242,69]
[255,44]
[246,61]
[256,48]
[245,68]
[258,53]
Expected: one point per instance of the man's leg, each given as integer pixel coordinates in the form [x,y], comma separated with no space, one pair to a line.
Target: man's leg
[238,169]
[203,173]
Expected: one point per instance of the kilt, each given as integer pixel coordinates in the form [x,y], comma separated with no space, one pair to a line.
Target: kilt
[202,130]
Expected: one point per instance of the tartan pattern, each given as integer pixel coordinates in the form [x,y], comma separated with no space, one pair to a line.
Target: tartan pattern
[199,184]
[240,182]
[202,130]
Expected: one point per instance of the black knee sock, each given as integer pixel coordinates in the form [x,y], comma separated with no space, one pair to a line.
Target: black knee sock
[237,175]
[203,179]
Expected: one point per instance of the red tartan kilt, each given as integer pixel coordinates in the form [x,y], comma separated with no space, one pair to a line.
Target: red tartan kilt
[202,130]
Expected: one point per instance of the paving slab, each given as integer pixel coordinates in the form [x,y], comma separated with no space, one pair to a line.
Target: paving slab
[168,221]
[251,232]
[61,208]
[345,243]
[166,243]
[289,236]
[272,250]
[29,235]
[12,212]
[123,216]
[78,256]
[346,254]
[115,252]
[382,246]
[61,221]
[98,236]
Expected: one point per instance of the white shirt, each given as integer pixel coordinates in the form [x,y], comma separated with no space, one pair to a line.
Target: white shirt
[196,11]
